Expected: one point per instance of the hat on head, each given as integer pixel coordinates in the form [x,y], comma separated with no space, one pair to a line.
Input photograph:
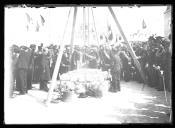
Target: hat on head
[23,47]
[32,46]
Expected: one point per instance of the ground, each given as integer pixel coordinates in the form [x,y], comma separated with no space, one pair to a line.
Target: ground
[130,105]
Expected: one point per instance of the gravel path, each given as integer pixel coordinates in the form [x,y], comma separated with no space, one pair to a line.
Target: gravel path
[131,105]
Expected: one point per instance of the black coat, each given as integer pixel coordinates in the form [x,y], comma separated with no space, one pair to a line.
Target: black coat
[31,60]
[116,64]
[45,69]
[23,60]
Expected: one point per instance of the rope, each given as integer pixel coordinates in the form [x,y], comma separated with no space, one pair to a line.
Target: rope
[72,35]
[88,25]
[95,26]
[66,23]
[84,33]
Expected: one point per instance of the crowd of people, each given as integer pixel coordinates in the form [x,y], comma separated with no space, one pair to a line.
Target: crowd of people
[35,64]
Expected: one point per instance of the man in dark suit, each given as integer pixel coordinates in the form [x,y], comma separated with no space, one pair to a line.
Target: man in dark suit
[74,59]
[22,67]
[30,70]
[64,66]
[45,71]
[37,67]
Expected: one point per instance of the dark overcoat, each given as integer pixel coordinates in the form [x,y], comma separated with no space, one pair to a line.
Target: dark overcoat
[45,69]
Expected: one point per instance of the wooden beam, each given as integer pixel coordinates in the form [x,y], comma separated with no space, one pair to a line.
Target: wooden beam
[72,35]
[128,46]
[56,69]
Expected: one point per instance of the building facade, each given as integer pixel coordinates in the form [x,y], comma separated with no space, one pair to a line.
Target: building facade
[167,21]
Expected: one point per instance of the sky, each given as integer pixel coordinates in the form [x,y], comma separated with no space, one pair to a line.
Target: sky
[130,20]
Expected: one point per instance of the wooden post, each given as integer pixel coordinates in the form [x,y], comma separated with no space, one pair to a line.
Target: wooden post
[72,35]
[56,69]
[128,46]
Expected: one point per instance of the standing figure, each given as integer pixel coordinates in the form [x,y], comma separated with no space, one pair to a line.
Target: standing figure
[93,61]
[74,59]
[45,71]
[22,67]
[64,66]
[105,58]
[125,62]
[14,57]
[30,71]
[116,67]
[37,65]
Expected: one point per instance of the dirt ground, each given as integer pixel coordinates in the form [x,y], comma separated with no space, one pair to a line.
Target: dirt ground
[131,105]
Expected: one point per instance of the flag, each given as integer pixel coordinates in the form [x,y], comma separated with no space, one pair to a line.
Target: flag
[143,24]
[110,34]
[42,20]
[37,27]
[110,37]
[28,18]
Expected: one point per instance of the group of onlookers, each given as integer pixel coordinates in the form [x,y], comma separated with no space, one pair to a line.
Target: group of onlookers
[36,63]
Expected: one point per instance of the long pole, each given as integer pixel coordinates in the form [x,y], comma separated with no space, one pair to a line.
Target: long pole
[57,66]
[95,27]
[72,35]
[128,46]
[164,89]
